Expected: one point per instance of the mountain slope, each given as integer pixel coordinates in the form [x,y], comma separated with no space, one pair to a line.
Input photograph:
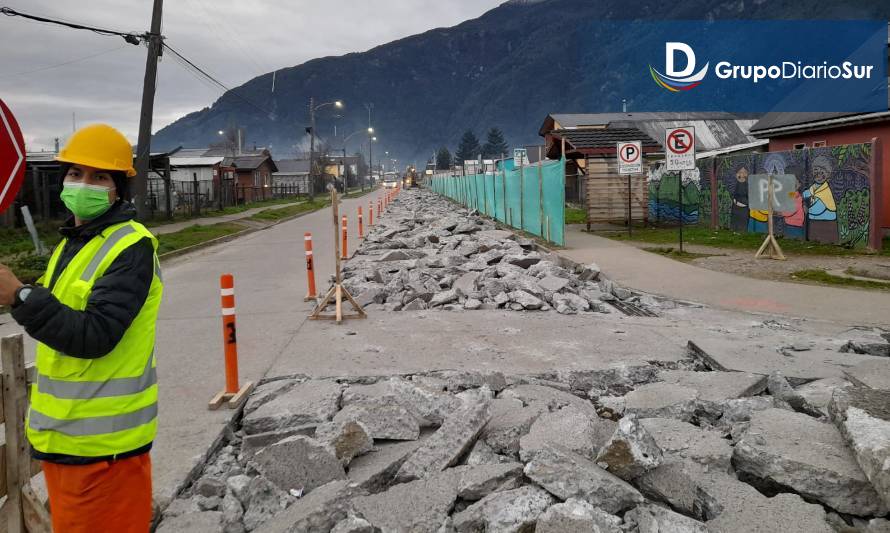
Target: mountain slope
[507,68]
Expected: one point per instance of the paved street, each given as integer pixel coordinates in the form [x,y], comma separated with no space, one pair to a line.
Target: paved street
[270,283]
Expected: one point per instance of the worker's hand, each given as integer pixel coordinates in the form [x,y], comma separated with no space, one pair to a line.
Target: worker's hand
[8,285]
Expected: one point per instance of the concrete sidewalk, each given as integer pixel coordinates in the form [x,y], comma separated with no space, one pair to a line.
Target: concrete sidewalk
[206,221]
[653,273]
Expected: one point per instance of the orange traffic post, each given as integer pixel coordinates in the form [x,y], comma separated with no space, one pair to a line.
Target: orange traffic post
[361,228]
[344,227]
[310,268]
[232,395]
[370,214]
[379,207]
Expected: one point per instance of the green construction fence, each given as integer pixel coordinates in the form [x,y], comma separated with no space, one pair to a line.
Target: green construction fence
[530,198]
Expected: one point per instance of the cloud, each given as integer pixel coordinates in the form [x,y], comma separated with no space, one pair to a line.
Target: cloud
[49,72]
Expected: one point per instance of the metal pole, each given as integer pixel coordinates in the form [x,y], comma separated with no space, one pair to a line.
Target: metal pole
[541,189]
[680,194]
[630,218]
[148,100]
[311,148]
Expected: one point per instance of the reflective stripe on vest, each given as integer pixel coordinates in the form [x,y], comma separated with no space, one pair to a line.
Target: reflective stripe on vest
[98,425]
[109,243]
[85,390]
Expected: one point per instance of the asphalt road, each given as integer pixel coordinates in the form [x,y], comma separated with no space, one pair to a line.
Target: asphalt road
[270,283]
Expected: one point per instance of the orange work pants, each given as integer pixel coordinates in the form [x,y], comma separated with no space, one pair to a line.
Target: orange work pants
[105,496]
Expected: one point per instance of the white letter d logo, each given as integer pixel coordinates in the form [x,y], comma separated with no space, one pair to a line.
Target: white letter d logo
[670,50]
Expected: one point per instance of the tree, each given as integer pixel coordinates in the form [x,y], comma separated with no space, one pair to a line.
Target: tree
[443,159]
[495,146]
[469,148]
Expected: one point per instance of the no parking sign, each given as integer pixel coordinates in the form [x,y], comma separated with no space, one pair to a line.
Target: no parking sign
[630,158]
[679,148]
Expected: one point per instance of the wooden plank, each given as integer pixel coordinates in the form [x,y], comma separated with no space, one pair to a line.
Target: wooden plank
[36,468]
[37,519]
[15,397]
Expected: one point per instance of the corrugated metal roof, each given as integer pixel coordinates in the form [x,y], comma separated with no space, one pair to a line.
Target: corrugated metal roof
[188,161]
[292,166]
[605,137]
[712,130]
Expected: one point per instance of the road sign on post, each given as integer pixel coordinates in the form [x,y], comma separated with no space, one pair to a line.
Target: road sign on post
[679,148]
[679,155]
[630,158]
[630,161]
[520,157]
[12,157]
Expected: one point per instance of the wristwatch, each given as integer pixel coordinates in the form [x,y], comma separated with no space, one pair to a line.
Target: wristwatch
[21,294]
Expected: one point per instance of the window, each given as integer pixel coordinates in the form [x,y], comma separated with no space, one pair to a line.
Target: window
[800,146]
[819,144]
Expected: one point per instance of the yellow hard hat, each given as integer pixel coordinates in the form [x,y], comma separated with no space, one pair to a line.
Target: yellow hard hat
[99,146]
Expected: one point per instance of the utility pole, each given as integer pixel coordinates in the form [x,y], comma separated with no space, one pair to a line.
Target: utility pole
[311,148]
[148,100]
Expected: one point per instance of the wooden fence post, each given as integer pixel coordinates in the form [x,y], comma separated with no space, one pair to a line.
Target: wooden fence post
[22,510]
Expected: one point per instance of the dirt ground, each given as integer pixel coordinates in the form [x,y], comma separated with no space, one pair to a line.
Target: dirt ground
[742,262]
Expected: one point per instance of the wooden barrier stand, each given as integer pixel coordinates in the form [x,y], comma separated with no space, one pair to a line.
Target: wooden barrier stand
[337,292]
[23,511]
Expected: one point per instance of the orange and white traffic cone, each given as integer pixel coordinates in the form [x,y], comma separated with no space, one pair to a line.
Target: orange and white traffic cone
[233,394]
[361,228]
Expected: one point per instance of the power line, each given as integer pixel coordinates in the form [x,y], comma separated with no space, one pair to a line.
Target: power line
[204,73]
[57,65]
[132,38]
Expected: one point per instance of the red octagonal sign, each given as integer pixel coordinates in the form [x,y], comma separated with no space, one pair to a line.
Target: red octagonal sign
[12,157]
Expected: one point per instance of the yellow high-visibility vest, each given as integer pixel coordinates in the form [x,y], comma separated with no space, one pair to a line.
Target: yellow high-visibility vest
[105,406]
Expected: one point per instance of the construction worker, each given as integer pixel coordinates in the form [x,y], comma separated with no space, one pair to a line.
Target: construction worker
[93,412]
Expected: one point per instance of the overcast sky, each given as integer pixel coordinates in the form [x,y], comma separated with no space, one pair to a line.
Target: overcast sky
[49,72]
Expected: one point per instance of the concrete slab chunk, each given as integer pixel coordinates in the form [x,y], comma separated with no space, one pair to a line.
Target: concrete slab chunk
[347,439]
[384,418]
[310,402]
[655,519]
[420,505]
[717,386]
[375,470]
[874,372]
[794,450]
[510,421]
[662,400]
[572,428]
[512,511]
[681,439]
[317,512]
[863,417]
[477,482]
[577,516]
[448,444]
[566,474]
[298,463]
[631,451]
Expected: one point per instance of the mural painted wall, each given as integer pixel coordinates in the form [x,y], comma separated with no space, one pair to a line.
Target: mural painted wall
[832,198]
[664,200]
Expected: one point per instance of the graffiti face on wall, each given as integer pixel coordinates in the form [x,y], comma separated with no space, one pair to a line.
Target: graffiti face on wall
[831,200]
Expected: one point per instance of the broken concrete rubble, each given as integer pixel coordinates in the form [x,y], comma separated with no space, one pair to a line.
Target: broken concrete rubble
[310,402]
[411,262]
[786,449]
[509,453]
[383,418]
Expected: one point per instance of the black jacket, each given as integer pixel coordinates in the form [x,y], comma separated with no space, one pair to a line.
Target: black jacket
[116,299]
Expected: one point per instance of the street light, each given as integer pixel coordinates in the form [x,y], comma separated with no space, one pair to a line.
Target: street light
[312,109]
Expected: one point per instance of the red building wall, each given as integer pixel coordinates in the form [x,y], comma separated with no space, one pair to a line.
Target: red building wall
[862,133]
